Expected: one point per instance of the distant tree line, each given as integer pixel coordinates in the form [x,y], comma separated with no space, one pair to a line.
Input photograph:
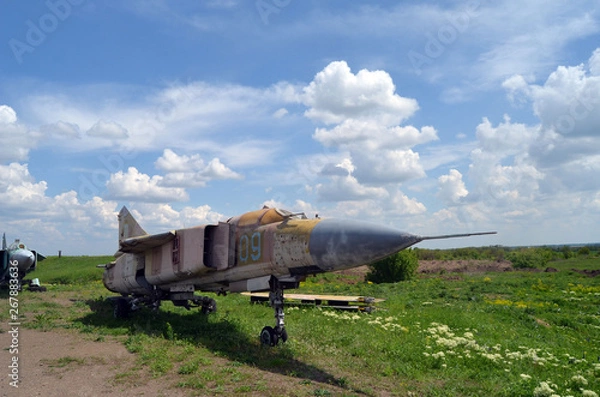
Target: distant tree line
[403,265]
[498,252]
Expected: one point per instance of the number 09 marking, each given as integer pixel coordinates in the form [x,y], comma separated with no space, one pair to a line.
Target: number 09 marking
[250,247]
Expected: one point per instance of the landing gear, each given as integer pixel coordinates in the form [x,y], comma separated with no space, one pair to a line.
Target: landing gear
[209,305]
[124,306]
[271,336]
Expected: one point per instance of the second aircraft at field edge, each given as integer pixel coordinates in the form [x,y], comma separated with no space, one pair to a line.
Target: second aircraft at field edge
[265,250]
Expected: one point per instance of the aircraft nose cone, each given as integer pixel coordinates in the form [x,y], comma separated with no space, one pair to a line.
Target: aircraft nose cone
[24,258]
[337,244]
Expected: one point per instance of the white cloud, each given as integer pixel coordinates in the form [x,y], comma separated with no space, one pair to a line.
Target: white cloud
[388,166]
[16,139]
[451,187]
[594,63]
[136,186]
[569,101]
[158,217]
[506,139]
[365,110]
[7,115]
[373,134]
[401,204]
[64,220]
[347,188]
[19,191]
[279,113]
[191,171]
[496,182]
[62,130]
[108,130]
[336,94]
[567,143]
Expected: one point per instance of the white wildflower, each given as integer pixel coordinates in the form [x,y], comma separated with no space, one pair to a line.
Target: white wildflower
[543,390]
[579,380]
[525,377]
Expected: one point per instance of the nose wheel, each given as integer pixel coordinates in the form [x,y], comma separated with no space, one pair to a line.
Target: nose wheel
[271,336]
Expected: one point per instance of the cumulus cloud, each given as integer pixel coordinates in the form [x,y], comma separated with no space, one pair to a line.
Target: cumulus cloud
[16,139]
[377,136]
[569,100]
[594,63]
[136,186]
[505,184]
[388,166]
[567,142]
[191,171]
[7,115]
[27,211]
[365,111]
[159,217]
[336,94]
[451,187]
[347,188]
[19,190]
[401,204]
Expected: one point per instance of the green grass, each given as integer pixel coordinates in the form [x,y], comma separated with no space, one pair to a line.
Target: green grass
[70,269]
[493,334]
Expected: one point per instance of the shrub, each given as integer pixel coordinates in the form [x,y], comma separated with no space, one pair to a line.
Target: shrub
[398,267]
[529,257]
[583,251]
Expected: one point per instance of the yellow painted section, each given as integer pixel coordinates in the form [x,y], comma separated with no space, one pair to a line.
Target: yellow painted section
[251,218]
[298,226]
[263,216]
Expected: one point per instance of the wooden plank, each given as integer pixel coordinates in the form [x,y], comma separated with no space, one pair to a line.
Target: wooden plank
[345,298]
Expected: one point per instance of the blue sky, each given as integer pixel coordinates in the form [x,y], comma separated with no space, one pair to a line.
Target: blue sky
[432,117]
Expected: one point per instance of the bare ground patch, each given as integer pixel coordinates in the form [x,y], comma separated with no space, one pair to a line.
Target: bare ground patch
[58,363]
[352,276]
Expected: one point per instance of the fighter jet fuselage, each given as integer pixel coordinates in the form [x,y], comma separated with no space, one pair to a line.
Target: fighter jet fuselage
[269,249]
[16,260]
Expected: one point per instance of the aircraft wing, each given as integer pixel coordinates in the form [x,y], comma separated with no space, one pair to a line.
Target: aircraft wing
[143,243]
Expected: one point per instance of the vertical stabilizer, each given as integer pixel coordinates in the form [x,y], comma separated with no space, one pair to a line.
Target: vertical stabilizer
[128,226]
[3,241]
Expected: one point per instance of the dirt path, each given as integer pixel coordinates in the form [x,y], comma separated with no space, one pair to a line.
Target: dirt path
[66,364]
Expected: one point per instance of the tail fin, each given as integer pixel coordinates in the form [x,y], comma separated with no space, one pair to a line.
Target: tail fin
[128,226]
[3,241]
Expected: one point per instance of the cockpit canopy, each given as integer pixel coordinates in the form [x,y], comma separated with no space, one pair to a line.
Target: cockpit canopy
[265,216]
[17,245]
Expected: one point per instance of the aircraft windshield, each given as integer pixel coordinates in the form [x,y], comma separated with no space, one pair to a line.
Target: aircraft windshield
[290,214]
[16,245]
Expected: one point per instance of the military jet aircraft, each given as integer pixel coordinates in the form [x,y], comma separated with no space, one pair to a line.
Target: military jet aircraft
[266,250]
[24,260]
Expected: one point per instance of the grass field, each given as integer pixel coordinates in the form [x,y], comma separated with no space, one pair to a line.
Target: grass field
[519,333]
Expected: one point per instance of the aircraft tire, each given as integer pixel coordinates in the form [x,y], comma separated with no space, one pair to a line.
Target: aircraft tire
[284,336]
[268,336]
[209,305]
